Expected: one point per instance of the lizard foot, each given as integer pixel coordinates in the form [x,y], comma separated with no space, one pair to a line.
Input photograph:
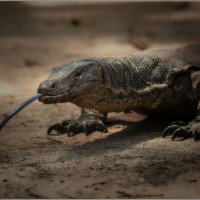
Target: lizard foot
[183,130]
[72,127]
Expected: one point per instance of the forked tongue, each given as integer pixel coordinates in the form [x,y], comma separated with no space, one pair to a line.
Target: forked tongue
[18,108]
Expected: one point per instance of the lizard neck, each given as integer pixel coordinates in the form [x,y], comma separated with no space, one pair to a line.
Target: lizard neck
[118,74]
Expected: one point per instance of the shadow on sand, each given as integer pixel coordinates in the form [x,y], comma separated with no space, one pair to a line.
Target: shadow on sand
[133,134]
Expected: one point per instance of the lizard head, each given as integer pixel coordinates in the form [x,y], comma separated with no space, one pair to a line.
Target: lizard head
[70,82]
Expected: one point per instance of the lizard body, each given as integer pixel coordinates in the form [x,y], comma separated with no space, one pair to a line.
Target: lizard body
[162,81]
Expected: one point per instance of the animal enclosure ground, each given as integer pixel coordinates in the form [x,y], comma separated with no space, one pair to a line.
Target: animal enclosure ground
[131,160]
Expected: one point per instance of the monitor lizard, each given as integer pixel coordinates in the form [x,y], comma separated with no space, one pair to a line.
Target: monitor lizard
[162,81]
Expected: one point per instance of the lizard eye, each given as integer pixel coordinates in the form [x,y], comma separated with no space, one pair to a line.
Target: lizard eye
[77,74]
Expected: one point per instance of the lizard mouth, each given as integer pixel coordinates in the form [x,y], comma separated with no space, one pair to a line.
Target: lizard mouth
[57,98]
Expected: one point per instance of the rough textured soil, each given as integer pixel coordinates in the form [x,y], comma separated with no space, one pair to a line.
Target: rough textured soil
[131,160]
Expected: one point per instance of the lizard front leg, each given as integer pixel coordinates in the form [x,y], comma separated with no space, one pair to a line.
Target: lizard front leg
[185,130]
[90,120]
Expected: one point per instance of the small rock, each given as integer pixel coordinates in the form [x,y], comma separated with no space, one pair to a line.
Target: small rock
[30,63]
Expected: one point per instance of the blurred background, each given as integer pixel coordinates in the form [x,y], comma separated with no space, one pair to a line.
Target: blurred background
[37,36]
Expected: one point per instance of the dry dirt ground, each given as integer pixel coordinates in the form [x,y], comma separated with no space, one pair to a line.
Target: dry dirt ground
[131,160]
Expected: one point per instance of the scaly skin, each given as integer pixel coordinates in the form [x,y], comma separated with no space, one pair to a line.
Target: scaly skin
[162,82]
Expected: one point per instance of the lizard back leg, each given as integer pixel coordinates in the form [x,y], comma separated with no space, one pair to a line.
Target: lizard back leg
[185,130]
[192,128]
[90,120]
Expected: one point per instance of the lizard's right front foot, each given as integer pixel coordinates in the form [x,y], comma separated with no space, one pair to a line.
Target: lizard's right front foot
[73,127]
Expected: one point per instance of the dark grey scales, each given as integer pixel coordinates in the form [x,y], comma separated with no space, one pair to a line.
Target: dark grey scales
[163,82]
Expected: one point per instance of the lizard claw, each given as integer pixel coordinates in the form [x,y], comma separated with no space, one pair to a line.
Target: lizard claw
[98,126]
[102,127]
[60,129]
[77,126]
[184,131]
[70,133]
[169,130]
[86,129]
[181,132]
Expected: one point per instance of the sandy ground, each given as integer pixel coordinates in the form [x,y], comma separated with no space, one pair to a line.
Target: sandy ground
[131,160]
